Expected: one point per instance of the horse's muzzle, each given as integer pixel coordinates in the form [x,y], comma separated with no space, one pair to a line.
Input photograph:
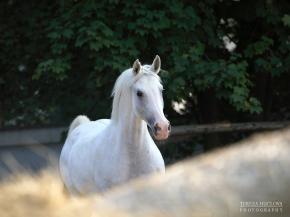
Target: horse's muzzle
[161,130]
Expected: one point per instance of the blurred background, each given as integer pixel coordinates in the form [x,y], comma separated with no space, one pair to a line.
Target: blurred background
[223,61]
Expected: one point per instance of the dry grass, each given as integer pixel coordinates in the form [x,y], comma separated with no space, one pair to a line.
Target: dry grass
[43,195]
[39,196]
[210,185]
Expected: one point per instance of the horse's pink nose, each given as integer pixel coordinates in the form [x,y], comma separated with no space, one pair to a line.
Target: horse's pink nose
[161,130]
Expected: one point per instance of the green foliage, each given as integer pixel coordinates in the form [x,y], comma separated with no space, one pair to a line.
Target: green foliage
[74,50]
[286,20]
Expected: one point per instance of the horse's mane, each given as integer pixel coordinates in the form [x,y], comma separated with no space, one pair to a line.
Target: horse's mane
[123,81]
[122,87]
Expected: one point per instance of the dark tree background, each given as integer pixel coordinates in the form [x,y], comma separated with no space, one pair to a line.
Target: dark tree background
[222,60]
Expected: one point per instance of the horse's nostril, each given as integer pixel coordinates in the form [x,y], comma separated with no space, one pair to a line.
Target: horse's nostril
[156,128]
[169,127]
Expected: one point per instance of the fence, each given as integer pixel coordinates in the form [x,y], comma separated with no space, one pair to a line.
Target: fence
[46,136]
[36,148]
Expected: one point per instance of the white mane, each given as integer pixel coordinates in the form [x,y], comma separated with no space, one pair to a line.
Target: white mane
[123,85]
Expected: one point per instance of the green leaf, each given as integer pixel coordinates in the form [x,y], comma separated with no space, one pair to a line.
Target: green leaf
[286,20]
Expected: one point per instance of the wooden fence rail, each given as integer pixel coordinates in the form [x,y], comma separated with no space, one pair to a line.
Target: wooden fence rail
[39,136]
[227,127]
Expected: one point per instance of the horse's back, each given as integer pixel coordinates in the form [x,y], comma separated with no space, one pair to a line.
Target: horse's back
[82,135]
[86,131]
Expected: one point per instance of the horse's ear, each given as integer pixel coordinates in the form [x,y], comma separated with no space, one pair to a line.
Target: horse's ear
[156,65]
[136,67]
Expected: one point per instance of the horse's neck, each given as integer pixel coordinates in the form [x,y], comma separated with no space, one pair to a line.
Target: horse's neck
[131,130]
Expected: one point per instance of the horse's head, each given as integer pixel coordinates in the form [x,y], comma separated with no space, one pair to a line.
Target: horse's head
[147,97]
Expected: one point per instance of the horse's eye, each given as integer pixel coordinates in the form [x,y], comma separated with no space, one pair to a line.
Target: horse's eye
[139,93]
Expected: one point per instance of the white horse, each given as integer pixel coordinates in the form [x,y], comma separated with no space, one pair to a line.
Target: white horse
[100,154]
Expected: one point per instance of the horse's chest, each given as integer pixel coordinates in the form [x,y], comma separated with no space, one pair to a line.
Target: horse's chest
[128,164]
[143,162]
